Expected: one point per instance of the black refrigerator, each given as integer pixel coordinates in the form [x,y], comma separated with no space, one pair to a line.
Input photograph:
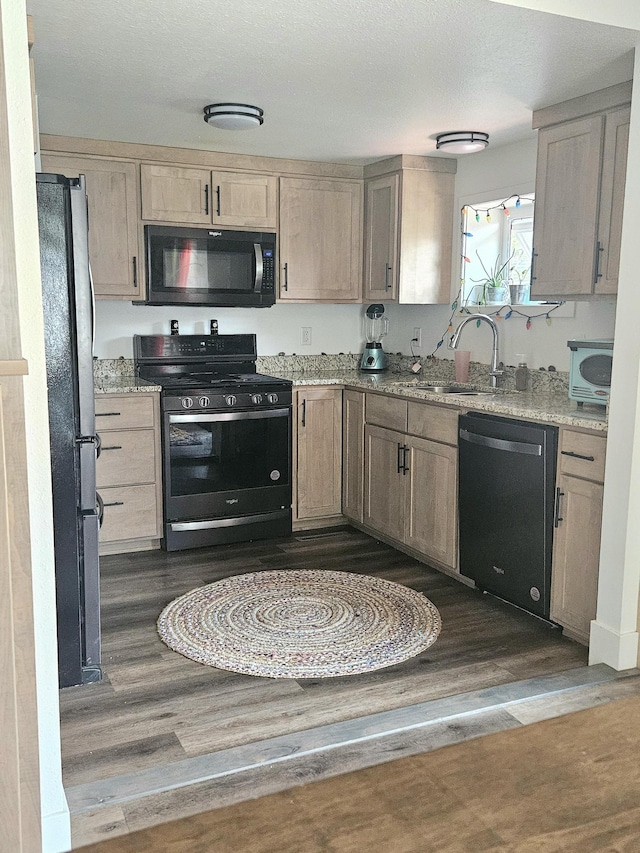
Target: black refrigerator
[67,298]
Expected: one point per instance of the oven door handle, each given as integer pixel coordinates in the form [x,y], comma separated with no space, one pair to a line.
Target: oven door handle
[228,416]
[257,248]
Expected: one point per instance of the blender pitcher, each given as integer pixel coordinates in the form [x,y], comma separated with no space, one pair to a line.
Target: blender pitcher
[376,326]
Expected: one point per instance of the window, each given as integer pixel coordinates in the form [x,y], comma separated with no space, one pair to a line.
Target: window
[497,240]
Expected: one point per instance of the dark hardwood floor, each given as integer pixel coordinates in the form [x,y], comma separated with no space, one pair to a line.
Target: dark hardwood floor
[568,785]
[155,707]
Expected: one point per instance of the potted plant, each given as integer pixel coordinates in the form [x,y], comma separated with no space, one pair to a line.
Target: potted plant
[519,283]
[495,280]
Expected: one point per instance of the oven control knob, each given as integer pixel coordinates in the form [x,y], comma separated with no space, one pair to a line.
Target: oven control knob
[272,398]
[186,402]
[256,399]
[204,402]
[230,400]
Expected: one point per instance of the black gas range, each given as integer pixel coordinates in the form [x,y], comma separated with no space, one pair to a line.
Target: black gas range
[226,439]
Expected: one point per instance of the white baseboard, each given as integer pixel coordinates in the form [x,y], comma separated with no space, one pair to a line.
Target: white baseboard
[619,651]
[56,832]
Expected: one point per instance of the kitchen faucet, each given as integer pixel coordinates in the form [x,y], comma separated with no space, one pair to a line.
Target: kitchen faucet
[494,373]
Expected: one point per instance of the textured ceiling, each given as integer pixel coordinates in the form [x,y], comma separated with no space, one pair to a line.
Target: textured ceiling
[341,80]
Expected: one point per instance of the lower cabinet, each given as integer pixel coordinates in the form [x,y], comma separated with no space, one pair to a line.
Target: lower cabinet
[576,546]
[128,471]
[352,453]
[317,452]
[411,482]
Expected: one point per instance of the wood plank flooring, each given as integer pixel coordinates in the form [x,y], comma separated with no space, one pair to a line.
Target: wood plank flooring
[561,786]
[155,707]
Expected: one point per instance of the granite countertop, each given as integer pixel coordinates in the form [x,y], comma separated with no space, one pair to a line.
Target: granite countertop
[123,385]
[547,400]
[544,406]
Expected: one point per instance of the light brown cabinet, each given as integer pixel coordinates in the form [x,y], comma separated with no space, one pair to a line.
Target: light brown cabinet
[112,197]
[580,178]
[320,240]
[244,201]
[576,547]
[411,482]
[408,240]
[352,453]
[128,471]
[317,453]
[382,203]
[194,196]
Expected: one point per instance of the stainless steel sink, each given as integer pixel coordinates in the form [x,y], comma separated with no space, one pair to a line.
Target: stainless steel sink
[450,389]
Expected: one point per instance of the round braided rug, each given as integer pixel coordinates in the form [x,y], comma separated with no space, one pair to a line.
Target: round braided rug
[300,624]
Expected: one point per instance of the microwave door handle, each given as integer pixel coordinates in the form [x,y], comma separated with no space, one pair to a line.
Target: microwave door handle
[257,248]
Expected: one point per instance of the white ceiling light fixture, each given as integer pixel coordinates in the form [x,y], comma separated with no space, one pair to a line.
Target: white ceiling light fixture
[233,116]
[462,141]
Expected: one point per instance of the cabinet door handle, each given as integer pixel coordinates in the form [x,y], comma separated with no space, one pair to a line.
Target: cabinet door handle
[135,271]
[557,518]
[218,200]
[597,274]
[405,453]
[206,199]
[304,413]
[113,447]
[534,255]
[114,503]
[286,276]
[387,270]
[107,414]
[577,455]
[400,458]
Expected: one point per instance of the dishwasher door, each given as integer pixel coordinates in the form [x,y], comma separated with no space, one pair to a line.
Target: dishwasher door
[507,478]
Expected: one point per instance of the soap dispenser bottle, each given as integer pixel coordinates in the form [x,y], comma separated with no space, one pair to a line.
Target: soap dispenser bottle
[522,372]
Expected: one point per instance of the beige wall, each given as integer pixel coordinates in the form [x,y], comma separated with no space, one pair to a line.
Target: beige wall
[55,816]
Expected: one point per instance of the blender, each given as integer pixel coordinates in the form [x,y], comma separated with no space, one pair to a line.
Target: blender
[376,326]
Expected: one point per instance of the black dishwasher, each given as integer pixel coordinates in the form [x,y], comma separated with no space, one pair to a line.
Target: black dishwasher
[507,476]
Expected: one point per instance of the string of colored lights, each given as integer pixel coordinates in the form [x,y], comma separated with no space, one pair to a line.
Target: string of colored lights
[498,316]
[510,310]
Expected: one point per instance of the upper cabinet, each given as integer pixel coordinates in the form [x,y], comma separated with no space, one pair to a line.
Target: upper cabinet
[317,209]
[112,194]
[202,197]
[320,240]
[408,239]
[580,178]
[382,207]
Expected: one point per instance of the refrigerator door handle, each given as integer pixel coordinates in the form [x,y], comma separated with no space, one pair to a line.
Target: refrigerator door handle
[91,599]
[99,508]
[93,309]
[89,439]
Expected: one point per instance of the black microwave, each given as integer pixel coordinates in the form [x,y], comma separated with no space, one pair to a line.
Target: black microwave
[209,266]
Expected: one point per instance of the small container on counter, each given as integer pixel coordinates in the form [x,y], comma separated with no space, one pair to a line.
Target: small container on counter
[522,373]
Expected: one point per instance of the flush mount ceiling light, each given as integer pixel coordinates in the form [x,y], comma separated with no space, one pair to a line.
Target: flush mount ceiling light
[233,116]
[462,141]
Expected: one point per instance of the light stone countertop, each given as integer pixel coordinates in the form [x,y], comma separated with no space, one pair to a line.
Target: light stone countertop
[543,406]
[546,402]
[123,385]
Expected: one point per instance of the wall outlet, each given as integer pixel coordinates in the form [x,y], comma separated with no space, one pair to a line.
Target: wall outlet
[417,336]
[305,336]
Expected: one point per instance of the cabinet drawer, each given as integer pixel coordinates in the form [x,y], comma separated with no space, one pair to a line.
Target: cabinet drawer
[130,512]
[388,412]
[582,455]
[433,422]
[127,458]
[124,411]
